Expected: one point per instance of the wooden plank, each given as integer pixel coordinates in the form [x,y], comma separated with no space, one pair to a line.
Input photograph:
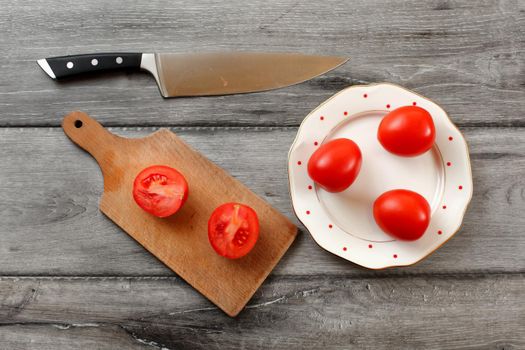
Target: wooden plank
[52,226]
[69,337]
[311,312]
[467,56]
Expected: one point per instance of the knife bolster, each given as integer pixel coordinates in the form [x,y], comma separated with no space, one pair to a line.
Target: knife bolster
[149,63]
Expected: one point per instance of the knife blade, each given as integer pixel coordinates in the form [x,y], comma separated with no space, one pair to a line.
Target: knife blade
[201,74]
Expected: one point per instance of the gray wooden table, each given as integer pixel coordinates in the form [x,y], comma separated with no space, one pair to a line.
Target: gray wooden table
[69,278]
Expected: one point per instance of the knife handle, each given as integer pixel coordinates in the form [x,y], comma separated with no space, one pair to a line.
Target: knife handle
[66,66]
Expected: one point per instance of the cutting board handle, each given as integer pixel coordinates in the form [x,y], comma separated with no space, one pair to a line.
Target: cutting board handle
[90,135]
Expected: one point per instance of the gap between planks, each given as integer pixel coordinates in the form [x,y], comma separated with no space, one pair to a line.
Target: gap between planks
[275,278]
[233,126]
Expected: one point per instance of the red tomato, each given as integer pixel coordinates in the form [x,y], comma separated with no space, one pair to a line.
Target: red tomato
[160,190]
[233,230]
[335,165]
[403,214]
[407,131]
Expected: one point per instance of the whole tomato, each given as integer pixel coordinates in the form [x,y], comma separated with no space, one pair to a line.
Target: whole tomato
[407,131]
[335,165]
[402,214]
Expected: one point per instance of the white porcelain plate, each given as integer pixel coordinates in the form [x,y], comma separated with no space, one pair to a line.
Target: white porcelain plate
[343,223]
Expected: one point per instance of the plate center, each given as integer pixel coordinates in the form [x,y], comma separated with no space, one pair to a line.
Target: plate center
[381,171]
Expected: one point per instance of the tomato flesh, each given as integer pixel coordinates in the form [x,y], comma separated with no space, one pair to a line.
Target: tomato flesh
[402,214]
[407,131]
[160,190]
[335,165]
[233,230]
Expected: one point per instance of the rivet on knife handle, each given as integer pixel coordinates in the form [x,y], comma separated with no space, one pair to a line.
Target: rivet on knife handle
[66,66]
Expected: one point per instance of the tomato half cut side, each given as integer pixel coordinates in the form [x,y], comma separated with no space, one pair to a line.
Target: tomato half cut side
[160,190]
[233,230]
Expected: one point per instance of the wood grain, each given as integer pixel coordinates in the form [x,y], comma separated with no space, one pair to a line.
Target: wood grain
[51,190]
[65,337]
[467,56]
[311,312]
[181,241]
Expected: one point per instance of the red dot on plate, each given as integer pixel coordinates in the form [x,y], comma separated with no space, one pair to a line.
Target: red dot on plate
[345,113]
[308,212]
[460,187]
[388,106]
[370,246]
[440,232]
[309,187]
[449,163]
[330,226]
[365,95]
[316,143]
[450,138]
[413,103]
[299,163]
[344,248]
[444,207]
[322,118]
[395,256]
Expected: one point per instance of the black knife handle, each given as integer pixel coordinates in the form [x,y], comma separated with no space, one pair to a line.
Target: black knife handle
[66,66]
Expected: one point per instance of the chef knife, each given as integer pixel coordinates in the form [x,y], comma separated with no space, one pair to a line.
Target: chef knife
[201,74]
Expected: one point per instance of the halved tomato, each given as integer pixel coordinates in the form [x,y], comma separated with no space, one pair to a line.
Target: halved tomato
[233,230]
[160,190]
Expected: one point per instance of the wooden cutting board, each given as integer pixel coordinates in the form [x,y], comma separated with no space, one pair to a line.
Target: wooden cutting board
[181,241]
